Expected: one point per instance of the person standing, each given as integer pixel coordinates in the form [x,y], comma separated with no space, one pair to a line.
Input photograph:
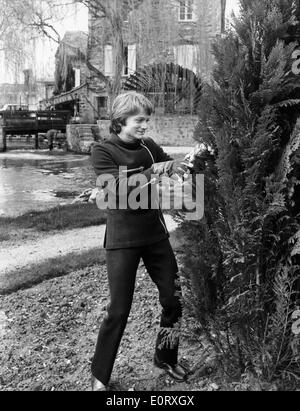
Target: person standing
[51,136]
[135,234]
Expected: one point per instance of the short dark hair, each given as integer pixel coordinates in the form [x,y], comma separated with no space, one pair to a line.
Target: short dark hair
[126,105]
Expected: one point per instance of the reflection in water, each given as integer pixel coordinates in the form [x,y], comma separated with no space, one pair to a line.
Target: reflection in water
[36,181]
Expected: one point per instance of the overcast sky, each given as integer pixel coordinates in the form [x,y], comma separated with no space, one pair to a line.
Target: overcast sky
[232,5]
[76,19]
[41,54]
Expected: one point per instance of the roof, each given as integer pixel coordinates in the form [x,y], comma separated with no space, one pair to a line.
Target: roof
[74,42]
[71,95]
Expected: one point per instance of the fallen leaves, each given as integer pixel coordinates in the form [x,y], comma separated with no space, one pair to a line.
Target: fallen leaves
[51,332]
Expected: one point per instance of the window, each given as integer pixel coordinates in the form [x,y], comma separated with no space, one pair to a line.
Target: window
[125,70]
[130,60]
[102,106]
[101,103]
[108,61]
[186,10]
[77,77]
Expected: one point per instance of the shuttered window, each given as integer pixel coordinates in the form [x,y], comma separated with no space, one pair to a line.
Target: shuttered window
[131,59]
[108,61]
[186,56]
[77,77]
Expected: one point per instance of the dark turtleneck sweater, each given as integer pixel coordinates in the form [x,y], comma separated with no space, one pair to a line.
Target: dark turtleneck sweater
[130,228]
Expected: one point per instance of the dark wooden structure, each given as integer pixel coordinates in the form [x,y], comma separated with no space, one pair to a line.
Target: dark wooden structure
[31,123]
[169,86]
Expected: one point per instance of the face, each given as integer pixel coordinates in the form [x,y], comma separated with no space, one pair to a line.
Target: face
[136,127]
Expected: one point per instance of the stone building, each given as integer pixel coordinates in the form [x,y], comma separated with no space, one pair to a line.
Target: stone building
[160,37]
[166,54]
[28,93]
[35,56]
[70,78]
[155,33]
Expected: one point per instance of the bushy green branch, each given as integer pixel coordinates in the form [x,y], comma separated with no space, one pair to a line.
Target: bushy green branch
[242,259]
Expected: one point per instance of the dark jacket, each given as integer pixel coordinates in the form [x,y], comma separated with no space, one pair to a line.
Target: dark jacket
[130,228]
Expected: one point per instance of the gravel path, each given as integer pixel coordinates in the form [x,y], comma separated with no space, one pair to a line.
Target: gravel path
[17,255]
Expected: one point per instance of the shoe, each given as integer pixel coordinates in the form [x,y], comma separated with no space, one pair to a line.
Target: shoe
[97,386]
[177,371]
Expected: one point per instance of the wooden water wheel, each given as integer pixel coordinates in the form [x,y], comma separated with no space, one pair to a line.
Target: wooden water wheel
[171,88]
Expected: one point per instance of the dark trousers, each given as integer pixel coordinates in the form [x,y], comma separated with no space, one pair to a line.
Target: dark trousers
[122,266]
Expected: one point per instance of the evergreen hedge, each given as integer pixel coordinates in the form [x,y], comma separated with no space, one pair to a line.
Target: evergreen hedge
[241,262]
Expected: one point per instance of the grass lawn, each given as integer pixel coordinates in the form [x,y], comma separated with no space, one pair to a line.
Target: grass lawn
[61,266]
[58,218]
[51,268]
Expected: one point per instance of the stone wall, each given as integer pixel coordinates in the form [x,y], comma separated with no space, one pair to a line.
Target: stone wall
[165,130]
[81,137]
[173,130]
[86,111]
[88,103]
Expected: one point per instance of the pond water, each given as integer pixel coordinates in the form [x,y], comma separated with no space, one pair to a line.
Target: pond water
[37,180]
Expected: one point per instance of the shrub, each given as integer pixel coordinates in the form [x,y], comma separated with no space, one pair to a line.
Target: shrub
[242,260]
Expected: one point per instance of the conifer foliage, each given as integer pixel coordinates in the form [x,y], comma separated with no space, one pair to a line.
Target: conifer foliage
[242,264]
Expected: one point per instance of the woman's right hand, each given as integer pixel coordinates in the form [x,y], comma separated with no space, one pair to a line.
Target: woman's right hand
[169,168]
